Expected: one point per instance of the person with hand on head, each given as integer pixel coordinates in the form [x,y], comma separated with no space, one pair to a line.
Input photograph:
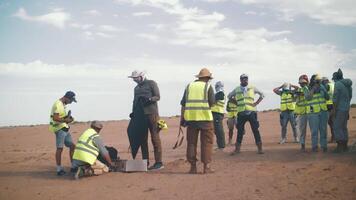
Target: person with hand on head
[59,120]
[196,115]
[87,150]
[147,93]
[286,91]
[301,110]
[246,108]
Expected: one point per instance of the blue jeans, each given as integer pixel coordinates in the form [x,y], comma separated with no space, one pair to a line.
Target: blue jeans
[302,121]
[318,125]
[286,116]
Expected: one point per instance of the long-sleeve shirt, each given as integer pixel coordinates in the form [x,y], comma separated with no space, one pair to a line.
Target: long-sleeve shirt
[342,94]
[147,89]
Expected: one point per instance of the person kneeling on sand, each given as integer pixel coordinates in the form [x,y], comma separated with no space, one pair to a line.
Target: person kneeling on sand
[88,148]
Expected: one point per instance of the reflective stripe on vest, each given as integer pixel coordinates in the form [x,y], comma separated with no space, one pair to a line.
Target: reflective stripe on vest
[331,93]
[245,102]
[316,104]
[287,102]
[197,105]
[219,106]
[231,109]
[301,103]
[85,150]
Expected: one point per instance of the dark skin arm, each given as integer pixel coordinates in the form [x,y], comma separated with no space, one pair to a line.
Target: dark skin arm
[56,118]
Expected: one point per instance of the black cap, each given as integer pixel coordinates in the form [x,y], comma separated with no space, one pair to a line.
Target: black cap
[71,96]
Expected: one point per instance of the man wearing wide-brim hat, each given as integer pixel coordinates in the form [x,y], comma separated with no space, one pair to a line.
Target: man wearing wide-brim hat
[196,114]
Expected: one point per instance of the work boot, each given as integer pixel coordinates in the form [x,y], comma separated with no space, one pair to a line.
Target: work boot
[302,148]
[237,149]
[156,166]
[325,149]
[315,149]
[345,147]
[338,148]
[208,169]
[193,169]
[79,173]
[259,148]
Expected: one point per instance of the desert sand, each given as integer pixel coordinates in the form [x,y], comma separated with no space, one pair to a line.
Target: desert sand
[27,169]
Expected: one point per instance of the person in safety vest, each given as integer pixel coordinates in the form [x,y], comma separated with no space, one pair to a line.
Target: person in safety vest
[341,98]
[244,95]
[218,114]
[147,91]
[301,110]
[87,150]
[317,112]
[231,109]
[329,104]
[59,120]
[196,114]
[287,107]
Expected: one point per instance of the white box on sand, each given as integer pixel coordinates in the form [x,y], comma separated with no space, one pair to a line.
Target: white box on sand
[132,165]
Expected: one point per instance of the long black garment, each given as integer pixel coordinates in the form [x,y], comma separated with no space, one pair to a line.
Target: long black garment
[137,131]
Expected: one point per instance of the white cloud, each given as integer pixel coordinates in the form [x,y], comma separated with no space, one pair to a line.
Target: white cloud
[92,12]
[329,12]
[109,28]
[81,26]
[56,18]
[148,36]
[104,35]
[141,14]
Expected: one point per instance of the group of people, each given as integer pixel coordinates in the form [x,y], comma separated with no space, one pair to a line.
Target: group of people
[318,102]
[202,112]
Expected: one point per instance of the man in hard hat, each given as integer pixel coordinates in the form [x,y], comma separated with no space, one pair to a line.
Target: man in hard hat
[246,108]
[147,92]
[301,110]
[218,114]
[231,109]
[329,104]
[88,148]
[341,98]
[59,120]
[196,114]
[317,112]
[287,107]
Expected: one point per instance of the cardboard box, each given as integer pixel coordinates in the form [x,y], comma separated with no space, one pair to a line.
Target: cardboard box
[132,165]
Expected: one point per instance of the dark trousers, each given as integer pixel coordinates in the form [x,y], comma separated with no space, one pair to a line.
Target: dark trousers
[242,118]
[219,129]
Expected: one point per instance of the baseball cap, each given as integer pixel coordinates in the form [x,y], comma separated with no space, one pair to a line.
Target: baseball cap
[70,95]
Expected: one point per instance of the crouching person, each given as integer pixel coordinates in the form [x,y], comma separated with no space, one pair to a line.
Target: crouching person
[88,148]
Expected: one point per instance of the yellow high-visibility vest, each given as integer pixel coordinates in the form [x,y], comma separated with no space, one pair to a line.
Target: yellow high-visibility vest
[85,150]
[316,104]
[197,105]
[287,102]
[331,93]
[301,103]
[231,109]
[245,102]
[58,107]
[219,106]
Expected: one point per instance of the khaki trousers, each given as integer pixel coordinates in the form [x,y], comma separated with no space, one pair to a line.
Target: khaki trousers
[206,143]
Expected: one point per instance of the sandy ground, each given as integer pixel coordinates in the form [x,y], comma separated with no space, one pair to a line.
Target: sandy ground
[27,168]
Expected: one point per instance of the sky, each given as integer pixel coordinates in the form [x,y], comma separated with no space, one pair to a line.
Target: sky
[91,46]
